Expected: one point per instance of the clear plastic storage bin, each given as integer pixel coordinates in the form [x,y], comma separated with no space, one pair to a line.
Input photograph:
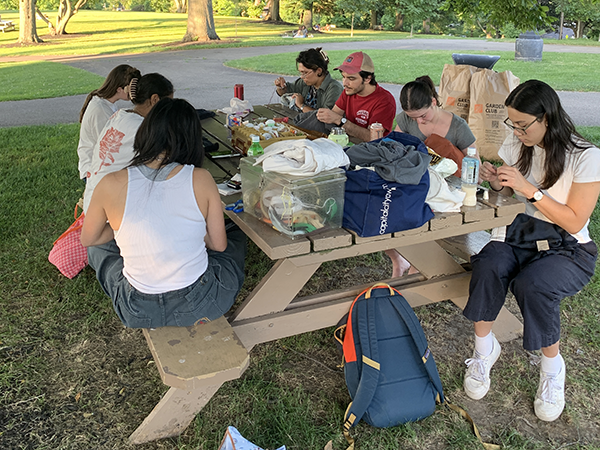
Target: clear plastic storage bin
[291,204]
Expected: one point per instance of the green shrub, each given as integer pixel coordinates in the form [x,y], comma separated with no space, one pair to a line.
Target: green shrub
[509,31]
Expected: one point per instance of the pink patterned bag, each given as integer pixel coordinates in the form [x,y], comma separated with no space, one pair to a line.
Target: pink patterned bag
[67,254]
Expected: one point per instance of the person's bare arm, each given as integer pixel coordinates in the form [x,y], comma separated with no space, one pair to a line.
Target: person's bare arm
[96,230]
[571,216]
[209,202]
[334,116]
[356,131]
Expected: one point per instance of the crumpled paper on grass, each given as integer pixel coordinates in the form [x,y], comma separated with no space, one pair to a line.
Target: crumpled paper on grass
[233,440]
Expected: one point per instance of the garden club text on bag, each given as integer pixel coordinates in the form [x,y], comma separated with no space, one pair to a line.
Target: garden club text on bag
[389,370]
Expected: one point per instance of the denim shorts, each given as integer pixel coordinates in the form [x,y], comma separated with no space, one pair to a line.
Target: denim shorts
[208,298]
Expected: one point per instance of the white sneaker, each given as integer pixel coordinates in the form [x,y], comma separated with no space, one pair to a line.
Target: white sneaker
[477,377]
[550,398]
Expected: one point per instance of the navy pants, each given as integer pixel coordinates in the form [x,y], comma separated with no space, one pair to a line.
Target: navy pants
[538,286]
[208,298]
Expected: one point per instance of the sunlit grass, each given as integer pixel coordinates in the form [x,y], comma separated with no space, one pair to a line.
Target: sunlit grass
[49,80]
[563,71]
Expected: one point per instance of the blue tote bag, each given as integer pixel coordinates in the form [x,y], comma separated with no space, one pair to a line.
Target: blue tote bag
[374,206]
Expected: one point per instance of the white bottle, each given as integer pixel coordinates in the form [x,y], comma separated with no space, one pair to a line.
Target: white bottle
[470,177]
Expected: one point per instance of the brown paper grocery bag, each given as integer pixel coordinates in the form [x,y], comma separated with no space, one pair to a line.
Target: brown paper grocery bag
[487,112]
[455,89]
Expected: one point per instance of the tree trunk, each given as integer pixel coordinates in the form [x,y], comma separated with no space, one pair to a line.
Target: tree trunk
[274,11]
[180,6]
[399,22]
[352,26]
[307,19]
[27,29]
[200,24]
[51,28]
[373,19]
[426,26]
[562,21]
[579,30]
[65,12]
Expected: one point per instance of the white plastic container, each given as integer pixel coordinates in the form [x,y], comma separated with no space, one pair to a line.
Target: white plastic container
[293,205]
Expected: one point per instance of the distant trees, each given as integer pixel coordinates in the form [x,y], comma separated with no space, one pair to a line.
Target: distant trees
[492,15]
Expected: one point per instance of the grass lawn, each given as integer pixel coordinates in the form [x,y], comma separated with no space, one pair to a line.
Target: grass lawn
[563,71]
[50,80]
[72,377]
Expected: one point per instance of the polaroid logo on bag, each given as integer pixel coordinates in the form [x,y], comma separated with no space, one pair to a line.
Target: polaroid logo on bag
[385,208]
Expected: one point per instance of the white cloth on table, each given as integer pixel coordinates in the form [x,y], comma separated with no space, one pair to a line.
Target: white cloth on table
[441,197]
[303,157]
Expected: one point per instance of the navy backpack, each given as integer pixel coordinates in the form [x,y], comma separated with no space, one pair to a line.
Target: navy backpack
[390,372]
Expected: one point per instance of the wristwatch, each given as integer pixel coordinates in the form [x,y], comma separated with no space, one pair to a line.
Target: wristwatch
[536,197]
[343,121]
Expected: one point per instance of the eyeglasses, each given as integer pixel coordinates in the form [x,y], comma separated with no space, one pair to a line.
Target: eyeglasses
[520,130]
[305,74]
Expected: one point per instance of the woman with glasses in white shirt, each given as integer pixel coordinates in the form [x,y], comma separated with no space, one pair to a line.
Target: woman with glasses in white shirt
[547,253]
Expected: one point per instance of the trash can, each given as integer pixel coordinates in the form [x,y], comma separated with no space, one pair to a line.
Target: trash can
[529,47]
[480,61]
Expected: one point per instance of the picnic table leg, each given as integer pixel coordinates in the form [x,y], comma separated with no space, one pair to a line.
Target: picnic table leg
[432,260]
[172,415]
[276,290]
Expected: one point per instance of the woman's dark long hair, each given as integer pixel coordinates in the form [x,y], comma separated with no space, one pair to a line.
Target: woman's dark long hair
[418,94]
[538,99]
[313,59]
[172,127]
[119,77]
[148,85]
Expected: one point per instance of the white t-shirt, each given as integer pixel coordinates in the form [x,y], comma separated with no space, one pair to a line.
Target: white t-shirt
[95,117]
[113,151]
[580,167]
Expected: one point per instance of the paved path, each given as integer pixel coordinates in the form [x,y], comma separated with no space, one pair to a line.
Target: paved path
[200,77]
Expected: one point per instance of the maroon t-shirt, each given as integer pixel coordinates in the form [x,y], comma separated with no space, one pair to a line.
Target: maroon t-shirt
[379,106]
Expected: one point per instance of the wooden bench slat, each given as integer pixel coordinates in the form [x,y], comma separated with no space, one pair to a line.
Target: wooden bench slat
[190,357]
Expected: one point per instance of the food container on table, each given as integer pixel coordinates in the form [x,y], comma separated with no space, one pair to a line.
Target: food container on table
[293,205]
[269,131]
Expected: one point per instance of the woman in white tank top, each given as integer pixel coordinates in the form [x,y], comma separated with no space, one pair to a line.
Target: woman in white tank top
[156,233]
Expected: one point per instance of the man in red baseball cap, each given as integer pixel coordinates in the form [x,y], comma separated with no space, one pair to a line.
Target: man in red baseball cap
[362,102]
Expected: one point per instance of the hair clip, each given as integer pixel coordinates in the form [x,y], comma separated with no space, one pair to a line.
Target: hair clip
[132,88]
[324,56]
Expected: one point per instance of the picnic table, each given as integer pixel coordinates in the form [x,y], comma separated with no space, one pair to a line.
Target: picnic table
[274,310]
[6,25]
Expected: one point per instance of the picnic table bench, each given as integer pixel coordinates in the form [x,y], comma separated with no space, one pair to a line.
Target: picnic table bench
[6,25]
[196,361]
